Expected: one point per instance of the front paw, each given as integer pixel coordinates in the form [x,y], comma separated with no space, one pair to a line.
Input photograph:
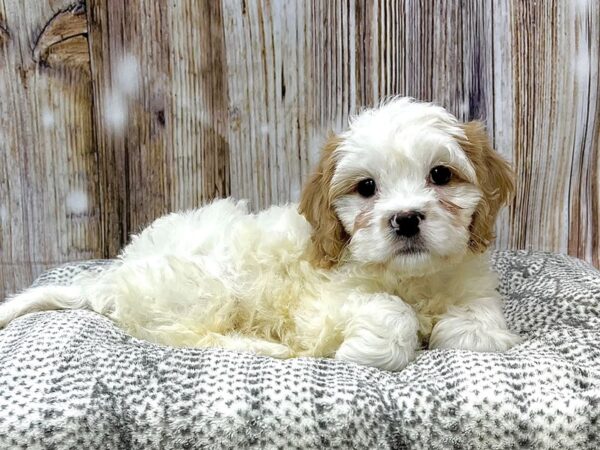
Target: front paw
[466,335]
[382,335]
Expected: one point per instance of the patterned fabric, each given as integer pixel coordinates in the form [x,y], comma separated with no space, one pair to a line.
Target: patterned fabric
[71,379]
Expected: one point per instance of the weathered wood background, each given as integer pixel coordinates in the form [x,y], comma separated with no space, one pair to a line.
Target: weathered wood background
[112,113]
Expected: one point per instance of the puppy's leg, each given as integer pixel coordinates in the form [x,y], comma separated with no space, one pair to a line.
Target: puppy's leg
[43,298]
[479,326]
[380,331]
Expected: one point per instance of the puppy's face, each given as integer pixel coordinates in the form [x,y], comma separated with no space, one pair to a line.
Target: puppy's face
[407,186]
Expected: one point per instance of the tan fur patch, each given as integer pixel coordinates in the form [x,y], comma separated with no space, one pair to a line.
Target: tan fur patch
[449,206]
[362,220]
[495,180]
[329,237]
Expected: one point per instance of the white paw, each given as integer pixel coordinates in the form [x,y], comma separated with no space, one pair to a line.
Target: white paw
[468,335]
[382,333]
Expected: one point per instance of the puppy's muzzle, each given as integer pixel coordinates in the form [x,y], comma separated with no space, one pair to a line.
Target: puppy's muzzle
[406,223]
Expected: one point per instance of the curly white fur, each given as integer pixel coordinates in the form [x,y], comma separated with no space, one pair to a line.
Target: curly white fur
[221,276]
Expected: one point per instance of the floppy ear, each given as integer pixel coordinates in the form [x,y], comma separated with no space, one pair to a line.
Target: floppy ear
[495,179]
[328,237]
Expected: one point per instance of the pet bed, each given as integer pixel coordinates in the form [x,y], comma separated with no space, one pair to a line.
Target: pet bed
[72,379]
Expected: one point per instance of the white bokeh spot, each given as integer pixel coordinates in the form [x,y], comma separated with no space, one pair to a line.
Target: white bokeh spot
[127,75]
[47,118]
[116,111]
[77,202]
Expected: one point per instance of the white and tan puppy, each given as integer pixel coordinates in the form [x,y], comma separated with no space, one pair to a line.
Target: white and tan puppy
[386,252]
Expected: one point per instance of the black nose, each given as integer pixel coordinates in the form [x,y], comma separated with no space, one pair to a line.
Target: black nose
[406,223]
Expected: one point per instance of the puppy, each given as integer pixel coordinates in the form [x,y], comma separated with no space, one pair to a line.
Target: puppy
[385,253]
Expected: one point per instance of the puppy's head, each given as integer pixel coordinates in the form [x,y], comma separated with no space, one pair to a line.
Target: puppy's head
[406,185]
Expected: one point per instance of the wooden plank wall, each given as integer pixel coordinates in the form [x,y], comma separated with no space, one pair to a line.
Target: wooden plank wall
[112,113]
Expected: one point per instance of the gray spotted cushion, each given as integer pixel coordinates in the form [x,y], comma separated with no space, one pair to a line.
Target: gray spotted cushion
[71,379]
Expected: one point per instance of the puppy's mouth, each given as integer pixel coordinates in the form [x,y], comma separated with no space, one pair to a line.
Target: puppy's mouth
[410,251]
[410,247]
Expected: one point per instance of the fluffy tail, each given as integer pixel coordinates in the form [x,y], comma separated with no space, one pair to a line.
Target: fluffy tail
[43,298]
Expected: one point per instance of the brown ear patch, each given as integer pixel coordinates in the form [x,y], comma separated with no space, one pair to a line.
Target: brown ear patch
[495,179]
[329,237]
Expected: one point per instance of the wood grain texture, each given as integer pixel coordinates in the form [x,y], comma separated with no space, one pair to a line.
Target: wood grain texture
[48,198]
[169,151]
[163,106]
[555,122]
[63,41]
[129,60]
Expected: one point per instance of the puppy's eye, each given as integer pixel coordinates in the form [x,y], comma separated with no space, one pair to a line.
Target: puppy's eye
[440,175]
[366,187]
